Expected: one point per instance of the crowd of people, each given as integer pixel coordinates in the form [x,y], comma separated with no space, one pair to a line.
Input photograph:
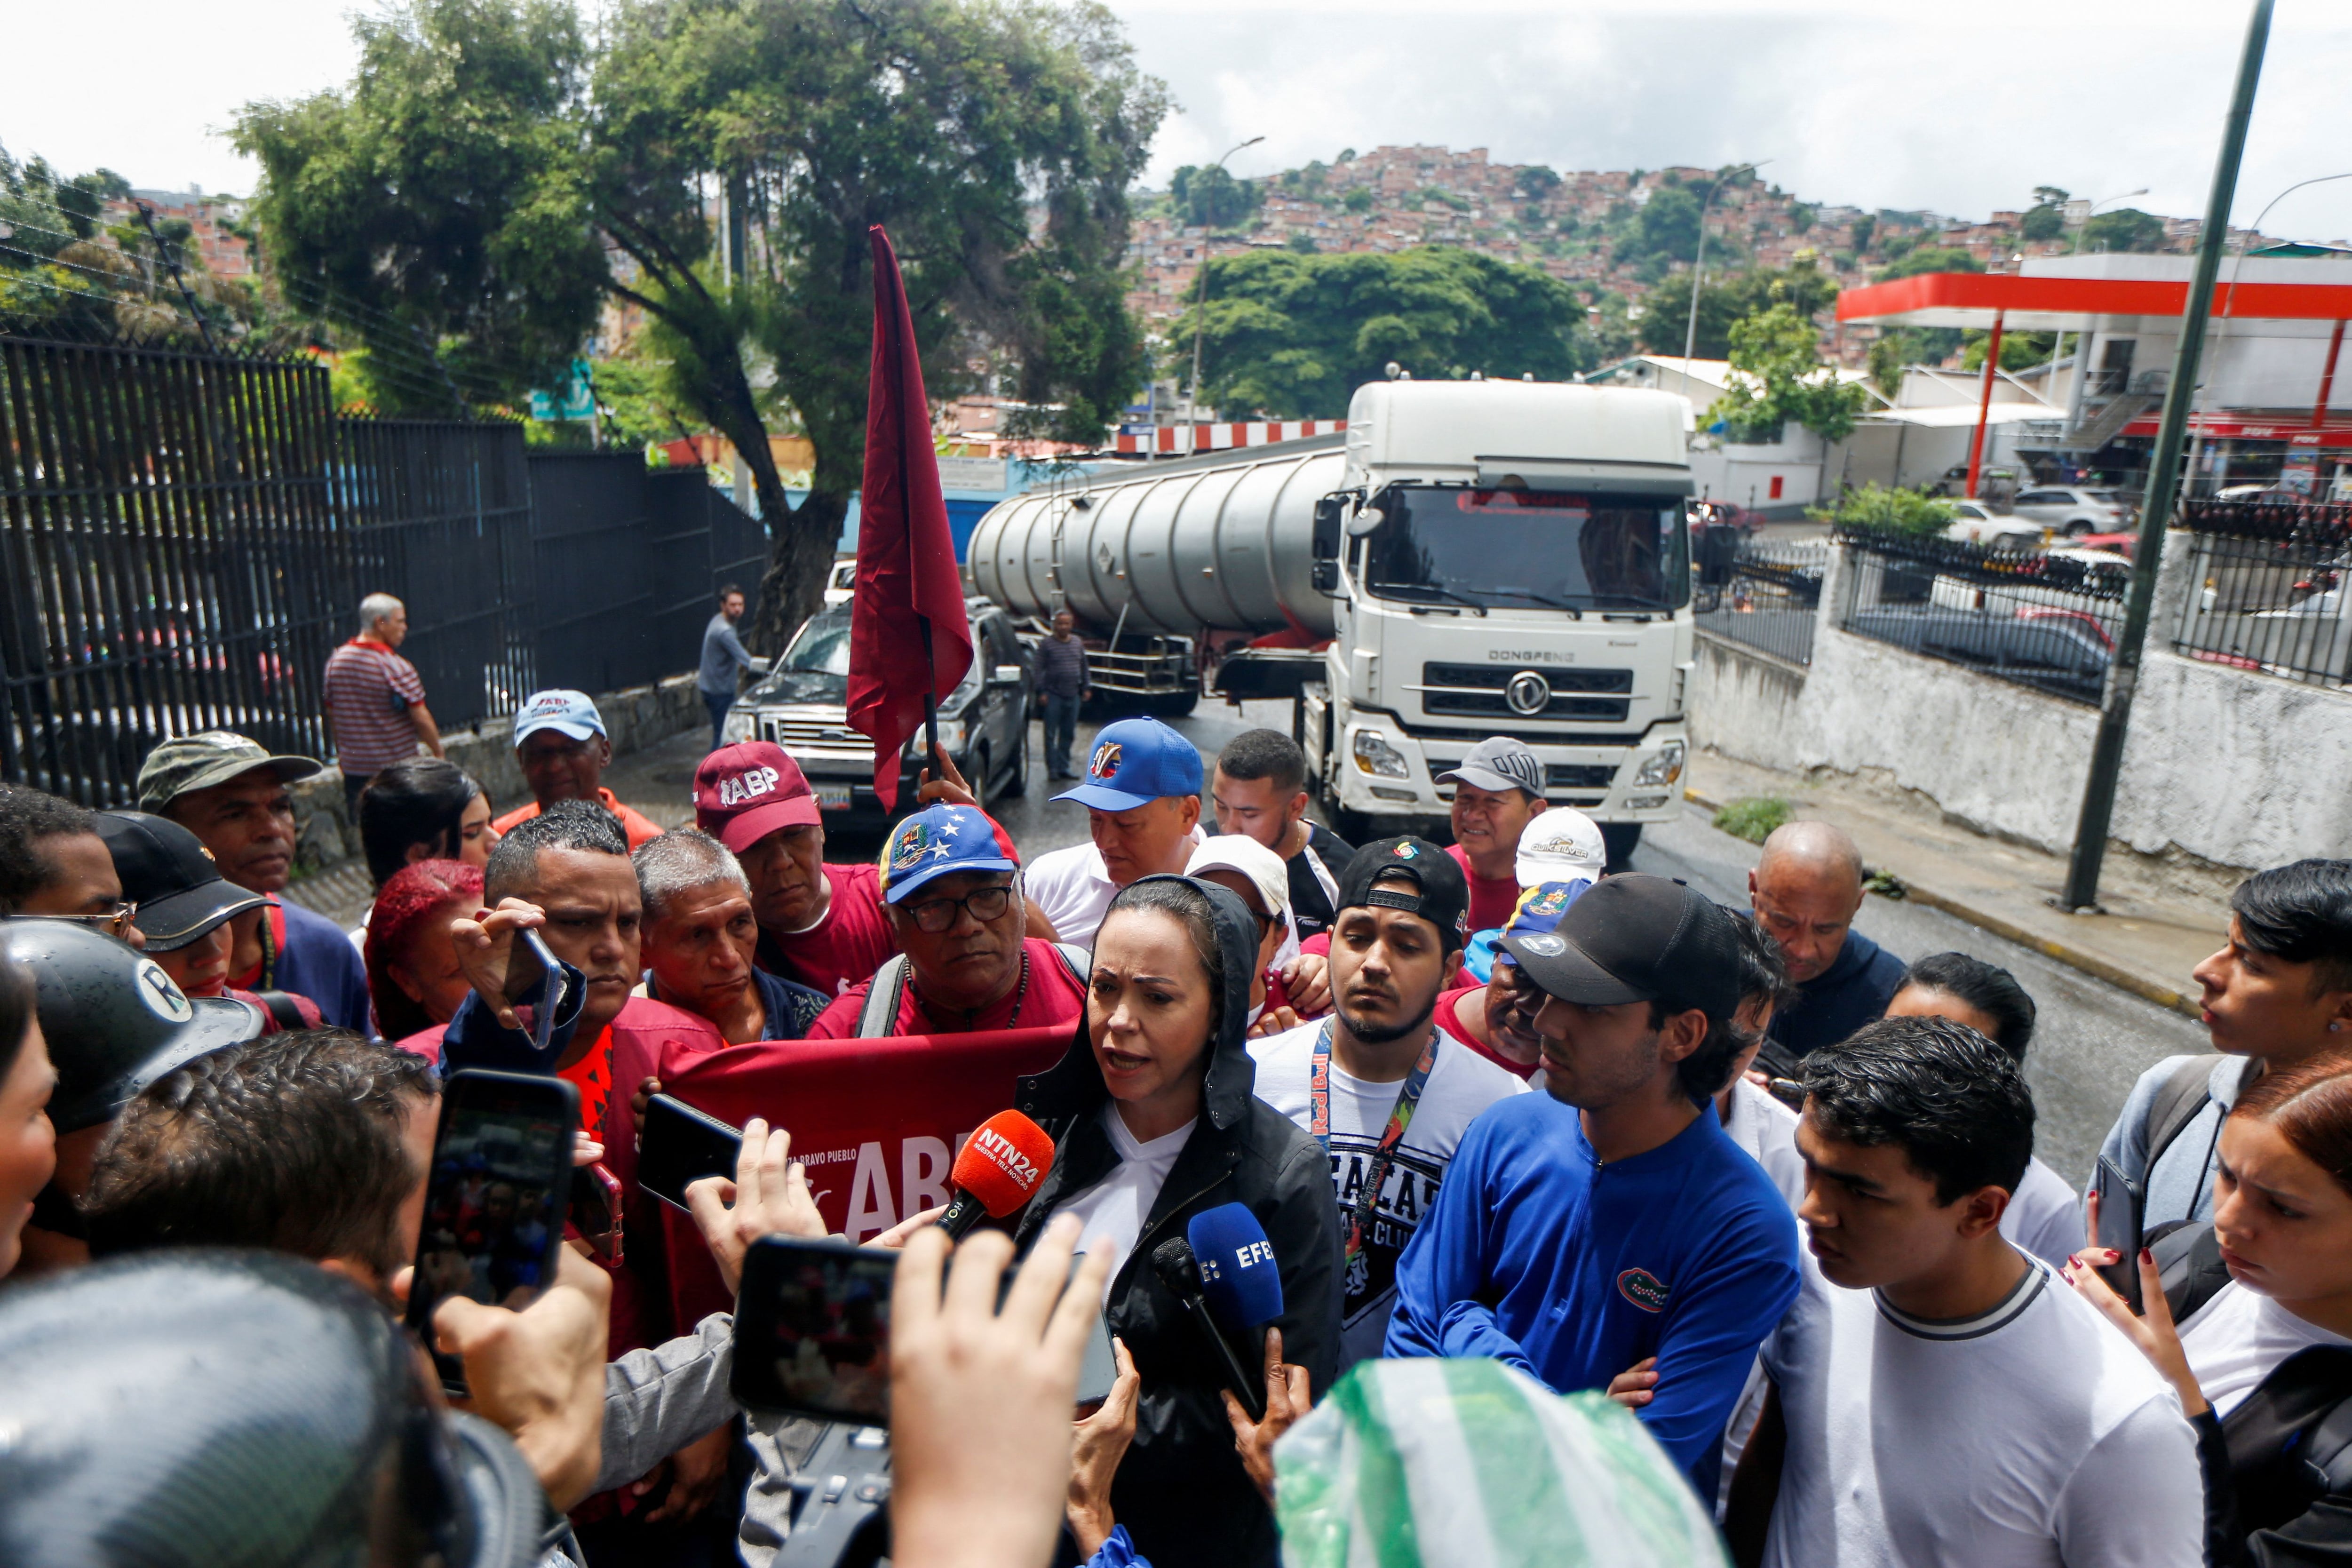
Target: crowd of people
[1767,1190]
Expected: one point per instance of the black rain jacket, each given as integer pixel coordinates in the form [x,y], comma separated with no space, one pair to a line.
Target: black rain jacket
[1182,1491]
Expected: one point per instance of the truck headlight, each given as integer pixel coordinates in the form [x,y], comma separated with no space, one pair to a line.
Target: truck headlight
[742,724]
[1374,756]
[1663,768]
[950,736]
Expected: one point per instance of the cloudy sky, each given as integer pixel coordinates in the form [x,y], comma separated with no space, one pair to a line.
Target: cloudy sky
[1958,106]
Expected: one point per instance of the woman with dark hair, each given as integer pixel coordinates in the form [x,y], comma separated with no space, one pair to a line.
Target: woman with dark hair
[2044,1215]
[423,809]
[2262,1298]
[414,980]
[1154,1121]
[28,1145]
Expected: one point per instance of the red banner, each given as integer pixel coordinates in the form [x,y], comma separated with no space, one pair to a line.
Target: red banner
[876,1123]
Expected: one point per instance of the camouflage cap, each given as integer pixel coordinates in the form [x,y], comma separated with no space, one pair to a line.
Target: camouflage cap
[189,763]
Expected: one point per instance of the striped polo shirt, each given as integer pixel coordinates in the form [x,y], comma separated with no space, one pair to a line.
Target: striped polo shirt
[369,691]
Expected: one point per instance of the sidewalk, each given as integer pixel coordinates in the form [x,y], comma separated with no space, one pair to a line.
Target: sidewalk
[2147,942]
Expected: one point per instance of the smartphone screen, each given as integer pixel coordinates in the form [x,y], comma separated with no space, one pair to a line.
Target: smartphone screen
[812,1330]
[2121,1204]
[678,1146]
[494,1202]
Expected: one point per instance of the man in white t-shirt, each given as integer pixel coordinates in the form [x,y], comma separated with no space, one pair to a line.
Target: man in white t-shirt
[1142,795]
[1385,1091]
[1940,1399]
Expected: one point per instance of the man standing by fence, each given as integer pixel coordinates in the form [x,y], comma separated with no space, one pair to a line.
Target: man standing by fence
[374,699]
[723,655]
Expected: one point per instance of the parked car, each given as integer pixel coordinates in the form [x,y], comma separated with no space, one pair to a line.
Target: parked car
[2061,652]
[1974,522]
[841,581]
[2073,510]
[802,706]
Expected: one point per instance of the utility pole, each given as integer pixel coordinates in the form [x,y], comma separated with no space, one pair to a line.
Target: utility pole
[1201,313]
[1699,264]
[2081,893]
[166,255]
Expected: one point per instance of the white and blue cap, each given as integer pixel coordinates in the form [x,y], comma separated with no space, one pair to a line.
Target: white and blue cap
[571,713]
[1135,761]
[938,842]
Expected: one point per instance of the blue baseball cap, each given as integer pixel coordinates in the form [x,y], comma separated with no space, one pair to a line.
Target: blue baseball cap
[939,842]
[1539,909]
[1135,761]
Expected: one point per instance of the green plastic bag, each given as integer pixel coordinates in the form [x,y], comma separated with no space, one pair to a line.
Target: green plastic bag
[1470,1464]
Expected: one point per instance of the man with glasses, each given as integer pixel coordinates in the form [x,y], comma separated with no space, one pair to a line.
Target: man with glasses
[53,864]
[950,890]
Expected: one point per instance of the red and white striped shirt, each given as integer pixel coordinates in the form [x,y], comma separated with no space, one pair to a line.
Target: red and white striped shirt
[370,689]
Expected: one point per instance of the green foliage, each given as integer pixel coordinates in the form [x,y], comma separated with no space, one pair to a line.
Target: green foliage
[1303,243]
[1535,182]
[1359,199]
[1801,218]
[66,273]
[2126,228]
[1913,514]
[1754,818]
[2045,222]
[1666,227]
[1725,299]
[1930,258]
[1293,335]
[1862,231]
[2018,350]
[1779,349]
[1208,197]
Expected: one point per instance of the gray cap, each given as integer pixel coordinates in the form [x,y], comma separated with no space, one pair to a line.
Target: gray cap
[1498,762]
[186,763]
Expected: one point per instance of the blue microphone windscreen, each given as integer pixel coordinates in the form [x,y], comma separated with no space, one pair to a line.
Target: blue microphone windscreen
[1238,1277]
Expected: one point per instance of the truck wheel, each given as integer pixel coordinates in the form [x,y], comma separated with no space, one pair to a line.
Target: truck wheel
[1018,785]
[1620,837]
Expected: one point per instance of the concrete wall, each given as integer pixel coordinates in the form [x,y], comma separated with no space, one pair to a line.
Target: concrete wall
[636,716]
[2226,767]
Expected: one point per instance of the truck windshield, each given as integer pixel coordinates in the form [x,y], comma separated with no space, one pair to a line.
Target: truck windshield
[822,648]
[1528,549]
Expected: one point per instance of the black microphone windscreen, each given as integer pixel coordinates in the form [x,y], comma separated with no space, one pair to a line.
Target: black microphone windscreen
[1178,1269]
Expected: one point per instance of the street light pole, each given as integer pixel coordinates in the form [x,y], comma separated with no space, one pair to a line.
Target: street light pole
[1201,312]
[2081,893]
[1698,262]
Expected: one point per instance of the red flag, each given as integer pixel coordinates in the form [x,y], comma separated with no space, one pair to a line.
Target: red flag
[908,634]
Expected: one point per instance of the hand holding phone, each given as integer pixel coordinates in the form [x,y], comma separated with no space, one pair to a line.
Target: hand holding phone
[508,963]
[2118,1209]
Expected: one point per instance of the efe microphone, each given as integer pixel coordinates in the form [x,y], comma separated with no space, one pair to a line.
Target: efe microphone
[1179,1270]
[996,1171]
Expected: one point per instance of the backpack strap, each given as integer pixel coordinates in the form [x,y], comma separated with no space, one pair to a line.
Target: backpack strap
[283,1009]
[883,995]
[2176,1104]
[1078,960]
[2328,1455]
[2188,1263]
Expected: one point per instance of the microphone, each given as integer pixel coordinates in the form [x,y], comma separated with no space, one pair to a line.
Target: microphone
[1238,1277]
[1179,1270]
[996,1171]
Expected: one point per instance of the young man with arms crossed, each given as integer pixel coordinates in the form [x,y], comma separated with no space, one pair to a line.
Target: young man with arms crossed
[1609,1220]
[1260,789]
[1940,1399]
[1386,1090]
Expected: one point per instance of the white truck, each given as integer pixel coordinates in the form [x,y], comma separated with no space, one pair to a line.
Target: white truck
[1467,559]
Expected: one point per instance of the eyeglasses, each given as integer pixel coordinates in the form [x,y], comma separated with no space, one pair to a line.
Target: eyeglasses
[115,923]
[936,915]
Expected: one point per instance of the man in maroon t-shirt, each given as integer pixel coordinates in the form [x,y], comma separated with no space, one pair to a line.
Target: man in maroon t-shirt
[1497,789]
[821,925]
[951,886]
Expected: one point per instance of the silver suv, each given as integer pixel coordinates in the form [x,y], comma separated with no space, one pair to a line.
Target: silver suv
[2073,511]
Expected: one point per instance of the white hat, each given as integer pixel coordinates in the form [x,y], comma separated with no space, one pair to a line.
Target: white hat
[1266,872]
[1561,845]
[571,713]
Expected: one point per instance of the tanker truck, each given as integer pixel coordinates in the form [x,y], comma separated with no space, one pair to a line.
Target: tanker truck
[1468,558]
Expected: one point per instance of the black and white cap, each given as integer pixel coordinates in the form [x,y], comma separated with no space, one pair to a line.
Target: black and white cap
[1498,762]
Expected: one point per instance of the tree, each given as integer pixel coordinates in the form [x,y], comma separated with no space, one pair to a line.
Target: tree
[2045,222]
[1930,258]
[1292,336]
[1208,197]
[2018,350]
[1911,514]
[1666,225]
[1666,313]
[1359,199]
[1801,218]
[1783,379]
[2127,229]
[1535,182]
[1862,230]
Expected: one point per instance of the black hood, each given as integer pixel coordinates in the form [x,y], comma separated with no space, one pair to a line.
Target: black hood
[1075,1084]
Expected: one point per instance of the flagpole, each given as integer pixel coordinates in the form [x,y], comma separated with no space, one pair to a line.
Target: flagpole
[905,500]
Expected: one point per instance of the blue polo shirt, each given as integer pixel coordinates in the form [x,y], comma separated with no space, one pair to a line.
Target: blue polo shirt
[1540,1255]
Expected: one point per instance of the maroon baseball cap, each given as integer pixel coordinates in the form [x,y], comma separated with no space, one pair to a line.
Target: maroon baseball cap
[743,793]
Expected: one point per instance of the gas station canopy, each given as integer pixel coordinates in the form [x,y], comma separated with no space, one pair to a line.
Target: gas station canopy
[2024,303]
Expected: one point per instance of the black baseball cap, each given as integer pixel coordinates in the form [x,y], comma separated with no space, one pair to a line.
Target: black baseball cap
[1444,895]
[167,871]
[1637,939]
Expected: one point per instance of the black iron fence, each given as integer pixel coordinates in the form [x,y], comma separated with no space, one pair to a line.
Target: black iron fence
[184,538]
[2267,588]
[2045,620]
[1766,595]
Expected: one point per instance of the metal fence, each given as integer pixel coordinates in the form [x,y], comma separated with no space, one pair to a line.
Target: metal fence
[184,538]
[1767,596]
[2044,620]
[2267,588]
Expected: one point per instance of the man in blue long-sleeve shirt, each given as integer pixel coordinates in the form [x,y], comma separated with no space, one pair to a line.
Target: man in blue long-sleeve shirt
[1610,1221]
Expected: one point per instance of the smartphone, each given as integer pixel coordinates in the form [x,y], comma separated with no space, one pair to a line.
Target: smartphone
[2122,1209]
[596,1211]
[678,1146]
[535,986]
[496,1200]
[812,1333]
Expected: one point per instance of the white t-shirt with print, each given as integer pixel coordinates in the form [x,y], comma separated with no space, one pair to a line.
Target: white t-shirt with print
[2238,1338]
[1113,1210]
[1462,1083]
[2034,1433]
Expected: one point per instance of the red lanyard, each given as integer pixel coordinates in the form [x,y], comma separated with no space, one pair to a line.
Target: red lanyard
[1318,1090]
